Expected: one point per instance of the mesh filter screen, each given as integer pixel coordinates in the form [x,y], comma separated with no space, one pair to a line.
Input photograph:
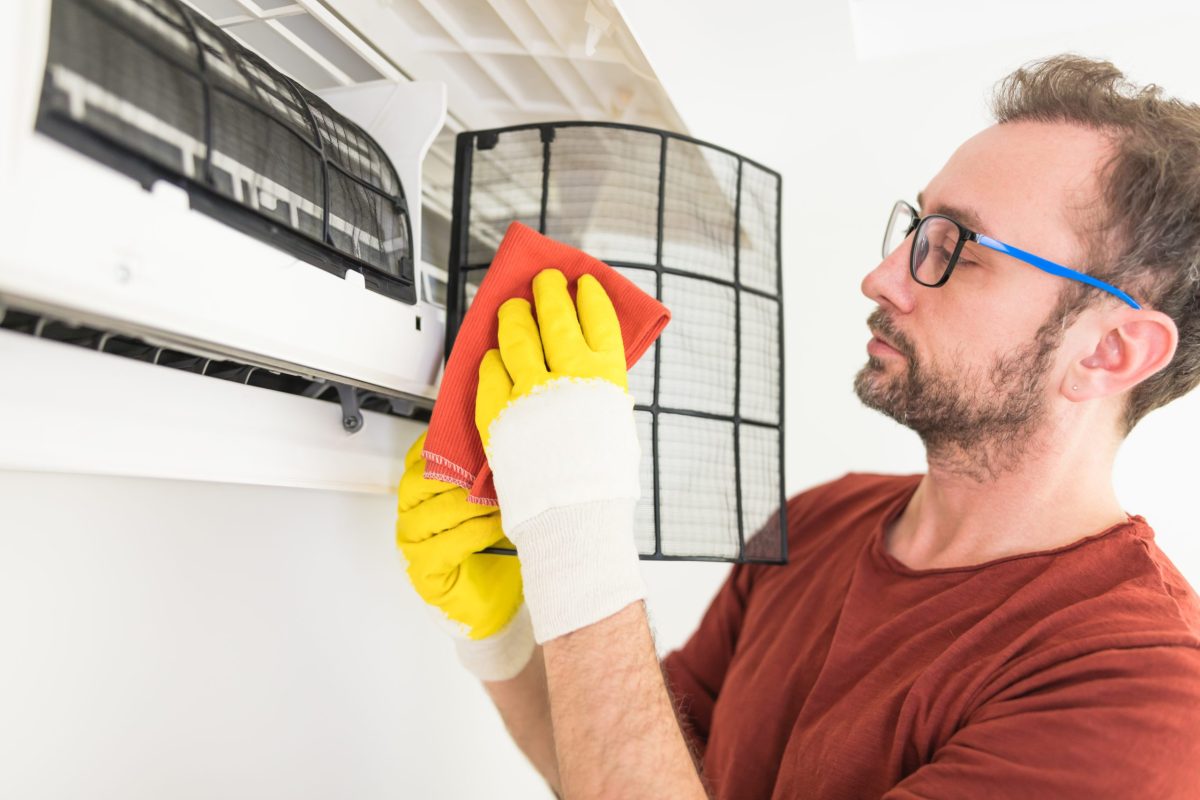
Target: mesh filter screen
[700,211]
[699,349]
[697,227]
[603,192]
[155,89]
[505,185]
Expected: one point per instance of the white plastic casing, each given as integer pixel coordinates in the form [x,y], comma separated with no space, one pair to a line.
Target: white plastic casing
[86,243]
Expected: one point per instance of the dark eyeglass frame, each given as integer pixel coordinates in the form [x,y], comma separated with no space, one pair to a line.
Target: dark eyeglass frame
[965,235]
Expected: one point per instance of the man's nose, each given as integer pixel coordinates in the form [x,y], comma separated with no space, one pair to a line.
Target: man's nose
[889,283]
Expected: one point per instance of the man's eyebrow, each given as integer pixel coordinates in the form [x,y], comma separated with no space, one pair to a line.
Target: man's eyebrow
[964,214]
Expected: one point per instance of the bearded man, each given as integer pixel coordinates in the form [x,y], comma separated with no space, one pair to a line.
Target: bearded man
[996,627]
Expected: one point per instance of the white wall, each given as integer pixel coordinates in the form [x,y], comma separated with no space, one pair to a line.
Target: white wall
[190,639]
[185,639]
[182,639]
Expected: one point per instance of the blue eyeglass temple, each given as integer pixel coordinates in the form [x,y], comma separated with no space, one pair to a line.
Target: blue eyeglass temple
[1052,268]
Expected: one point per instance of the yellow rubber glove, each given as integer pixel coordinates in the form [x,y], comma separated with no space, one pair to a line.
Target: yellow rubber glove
[440,534]
[556,420]
[587,346]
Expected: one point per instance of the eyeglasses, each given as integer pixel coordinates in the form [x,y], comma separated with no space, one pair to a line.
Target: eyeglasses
[939,242]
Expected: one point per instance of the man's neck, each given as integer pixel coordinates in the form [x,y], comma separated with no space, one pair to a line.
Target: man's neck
[1056,495]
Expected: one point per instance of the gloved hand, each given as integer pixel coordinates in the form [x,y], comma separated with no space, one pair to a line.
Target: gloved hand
[564,452]
[479,594]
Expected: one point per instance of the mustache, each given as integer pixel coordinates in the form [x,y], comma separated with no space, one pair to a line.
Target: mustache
[886,327]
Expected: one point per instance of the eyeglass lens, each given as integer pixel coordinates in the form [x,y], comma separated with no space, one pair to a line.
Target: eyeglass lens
[933,246]
[936,241]
[898,227]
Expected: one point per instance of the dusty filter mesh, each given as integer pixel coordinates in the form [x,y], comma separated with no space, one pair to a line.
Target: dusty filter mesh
[155,89]
[697,227]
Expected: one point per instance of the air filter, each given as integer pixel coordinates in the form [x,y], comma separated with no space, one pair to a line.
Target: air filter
[157,90]
[697,226]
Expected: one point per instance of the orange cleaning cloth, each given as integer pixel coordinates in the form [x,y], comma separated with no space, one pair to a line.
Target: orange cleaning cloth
[453,451]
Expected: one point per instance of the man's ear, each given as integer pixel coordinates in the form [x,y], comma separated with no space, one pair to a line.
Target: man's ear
[1132,348]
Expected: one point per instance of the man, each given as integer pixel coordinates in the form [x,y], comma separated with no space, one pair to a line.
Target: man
[998,627]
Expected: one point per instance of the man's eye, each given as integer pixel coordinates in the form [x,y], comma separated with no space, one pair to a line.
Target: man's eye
[965,262]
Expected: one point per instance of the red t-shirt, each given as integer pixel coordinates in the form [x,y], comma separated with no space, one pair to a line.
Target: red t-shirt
[1066,673]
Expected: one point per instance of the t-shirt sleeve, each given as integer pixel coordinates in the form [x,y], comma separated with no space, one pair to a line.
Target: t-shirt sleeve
[1112,723]
[694,673]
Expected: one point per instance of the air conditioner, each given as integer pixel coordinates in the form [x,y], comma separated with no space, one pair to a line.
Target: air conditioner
[174,197]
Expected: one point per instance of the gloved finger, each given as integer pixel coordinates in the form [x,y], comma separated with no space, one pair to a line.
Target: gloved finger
[506,543]
[442,553]
[492,578]
[415,488]
[440,513]
[561,337]
[486,590]
[520,342]
[482,594]
[597,317]
[494,391]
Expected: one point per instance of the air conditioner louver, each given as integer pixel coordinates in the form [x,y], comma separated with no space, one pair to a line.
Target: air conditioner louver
[137,349]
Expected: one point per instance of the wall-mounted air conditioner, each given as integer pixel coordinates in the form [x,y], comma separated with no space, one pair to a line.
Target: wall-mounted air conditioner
[171,196]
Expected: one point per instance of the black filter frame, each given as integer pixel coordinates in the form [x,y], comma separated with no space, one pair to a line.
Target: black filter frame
[459,270]
[331,141]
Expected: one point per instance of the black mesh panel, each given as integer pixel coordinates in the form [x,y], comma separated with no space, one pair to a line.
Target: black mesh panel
[352,151]
[699,218]
[697,227]
[603,192]
[360,224]
[267,166]
[505,185]
[110,95]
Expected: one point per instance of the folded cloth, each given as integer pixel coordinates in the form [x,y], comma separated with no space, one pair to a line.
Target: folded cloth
[453,451]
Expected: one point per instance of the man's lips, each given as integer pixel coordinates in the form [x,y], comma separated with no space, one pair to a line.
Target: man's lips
[880,346]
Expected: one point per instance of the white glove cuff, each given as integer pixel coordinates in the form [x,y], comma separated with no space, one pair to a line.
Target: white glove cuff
[502,655]
[579,564]
[568,441]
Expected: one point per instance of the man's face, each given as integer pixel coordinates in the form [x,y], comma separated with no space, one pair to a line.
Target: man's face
[970,365]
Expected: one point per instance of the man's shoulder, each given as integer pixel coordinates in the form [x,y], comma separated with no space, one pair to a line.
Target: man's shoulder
[1176,587]
[1148,593]
[1113,591]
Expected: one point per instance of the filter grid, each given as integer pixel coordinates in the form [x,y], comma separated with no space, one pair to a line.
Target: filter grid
[695,226]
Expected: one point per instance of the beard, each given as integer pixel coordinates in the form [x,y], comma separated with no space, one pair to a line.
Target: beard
[974,421]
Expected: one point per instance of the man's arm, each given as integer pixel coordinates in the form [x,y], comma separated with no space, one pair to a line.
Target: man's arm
[556,421]
[642,724]
[615,727]
[524,705]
